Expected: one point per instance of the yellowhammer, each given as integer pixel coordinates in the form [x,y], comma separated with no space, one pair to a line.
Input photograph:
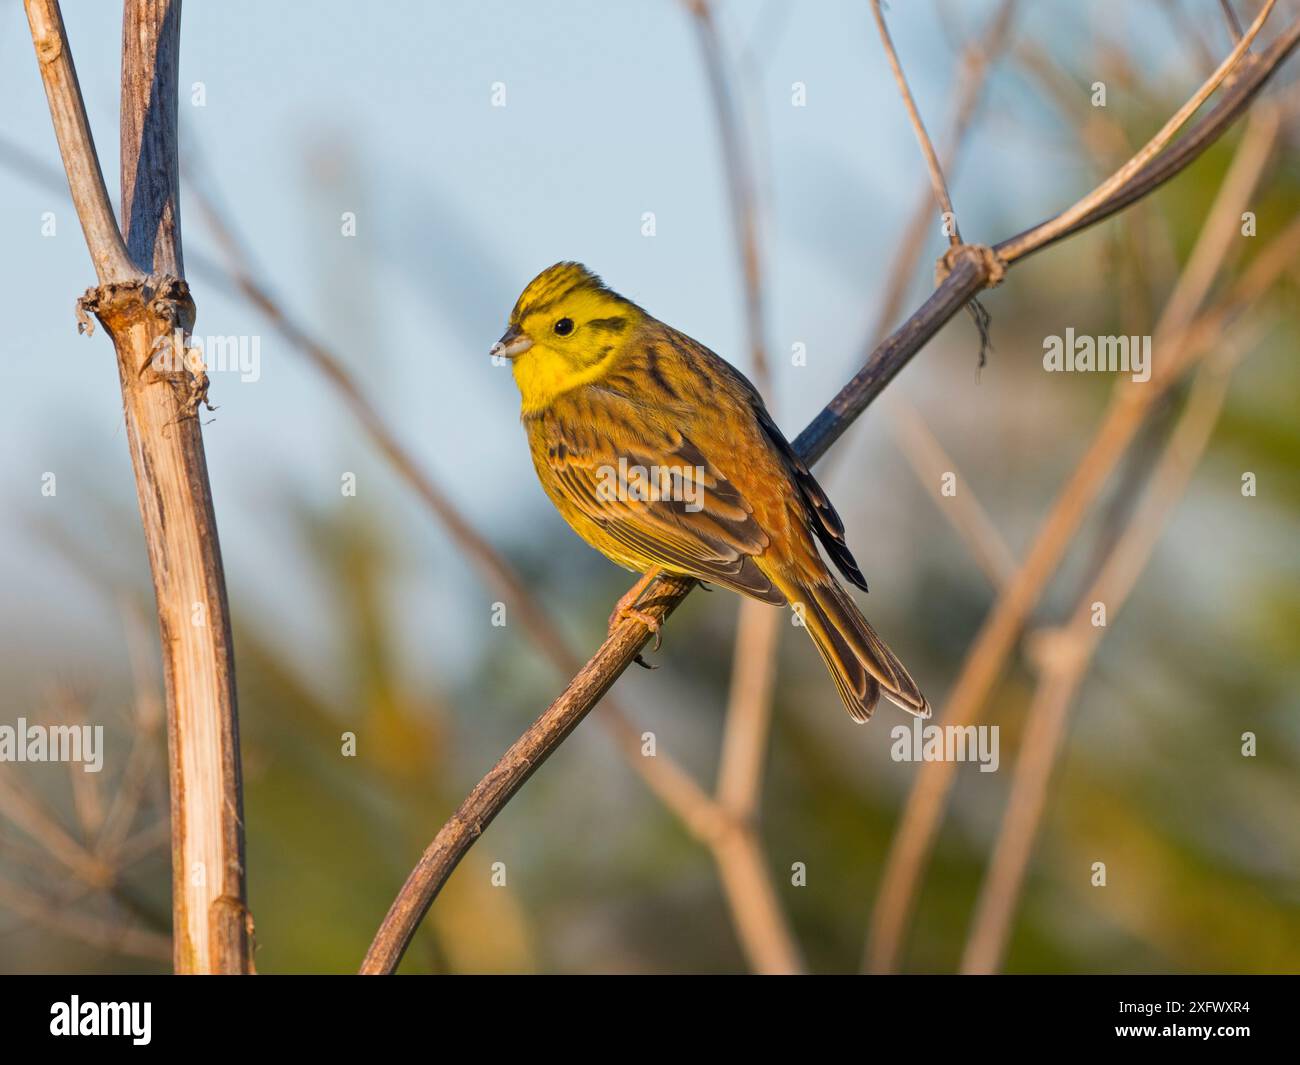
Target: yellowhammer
[662,457]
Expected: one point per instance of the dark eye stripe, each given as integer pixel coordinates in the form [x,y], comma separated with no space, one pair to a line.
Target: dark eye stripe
[612,325]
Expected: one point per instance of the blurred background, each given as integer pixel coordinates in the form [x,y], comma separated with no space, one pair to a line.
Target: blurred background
[394,208]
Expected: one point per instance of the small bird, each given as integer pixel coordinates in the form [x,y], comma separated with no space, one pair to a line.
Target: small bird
[663,457]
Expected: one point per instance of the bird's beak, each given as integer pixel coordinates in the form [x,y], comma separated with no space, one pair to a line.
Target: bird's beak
[512,344]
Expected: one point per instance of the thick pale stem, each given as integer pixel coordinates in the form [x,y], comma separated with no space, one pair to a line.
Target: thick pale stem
[212,923]
[147,316]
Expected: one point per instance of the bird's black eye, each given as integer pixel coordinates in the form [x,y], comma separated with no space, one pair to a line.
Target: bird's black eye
[564,327]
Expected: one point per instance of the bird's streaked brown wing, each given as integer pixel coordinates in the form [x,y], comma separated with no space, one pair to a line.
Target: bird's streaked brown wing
[694,521]
[821,517]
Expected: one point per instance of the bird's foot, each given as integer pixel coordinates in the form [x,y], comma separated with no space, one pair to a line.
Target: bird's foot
[626,607]
[648,620]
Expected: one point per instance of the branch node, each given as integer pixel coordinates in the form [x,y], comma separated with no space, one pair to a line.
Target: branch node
[163,308]
[992,268]
[120,305]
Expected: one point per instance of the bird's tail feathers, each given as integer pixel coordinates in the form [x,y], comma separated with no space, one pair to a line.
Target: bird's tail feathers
[859,660]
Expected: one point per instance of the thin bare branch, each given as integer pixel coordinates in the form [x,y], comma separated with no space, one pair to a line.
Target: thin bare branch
[918,444]
[975,63]
[937,181]
[746,876]
[77,145]
[150,157]
[491,794]
[87,788]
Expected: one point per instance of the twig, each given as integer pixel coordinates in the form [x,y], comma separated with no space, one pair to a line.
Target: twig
[1001,628]
[77,144]
[976,61]
[1066,655]
[742,867]
[937,181]
[60,853]
[510,773]
[145,306]
[142,843]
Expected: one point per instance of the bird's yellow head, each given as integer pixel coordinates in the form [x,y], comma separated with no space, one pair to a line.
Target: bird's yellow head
[567,330]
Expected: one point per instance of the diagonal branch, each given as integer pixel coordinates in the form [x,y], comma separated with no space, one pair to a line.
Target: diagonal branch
[969,271]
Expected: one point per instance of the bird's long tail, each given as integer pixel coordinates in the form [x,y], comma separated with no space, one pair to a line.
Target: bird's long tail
[858,659]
